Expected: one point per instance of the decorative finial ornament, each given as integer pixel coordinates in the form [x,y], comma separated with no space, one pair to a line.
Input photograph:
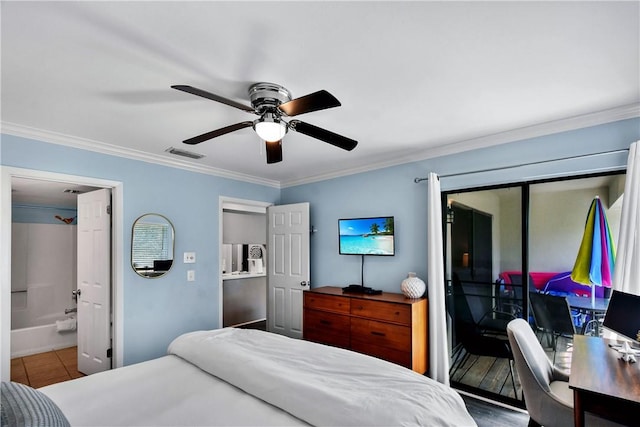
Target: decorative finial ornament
[65,220]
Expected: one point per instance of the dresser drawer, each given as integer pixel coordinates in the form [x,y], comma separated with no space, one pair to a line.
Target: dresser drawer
[392,312]
[332,303]
[402,358]
[380,334]
[326,328]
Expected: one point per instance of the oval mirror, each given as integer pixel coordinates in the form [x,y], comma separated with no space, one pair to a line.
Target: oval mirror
[152,244]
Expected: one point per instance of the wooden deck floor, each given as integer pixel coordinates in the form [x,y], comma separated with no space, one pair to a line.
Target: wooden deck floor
[490,376]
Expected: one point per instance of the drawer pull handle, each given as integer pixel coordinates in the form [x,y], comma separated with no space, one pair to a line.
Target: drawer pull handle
[380,334]
[325,322]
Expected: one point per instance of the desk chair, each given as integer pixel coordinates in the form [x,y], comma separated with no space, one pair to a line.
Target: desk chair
[552,315]
[547,395]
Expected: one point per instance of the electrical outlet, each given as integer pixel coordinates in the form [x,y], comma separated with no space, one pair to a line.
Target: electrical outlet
[189,257]
[191,275]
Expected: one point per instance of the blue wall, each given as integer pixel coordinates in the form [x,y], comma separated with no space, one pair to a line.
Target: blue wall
[392,191]
[41,214]
[156,311]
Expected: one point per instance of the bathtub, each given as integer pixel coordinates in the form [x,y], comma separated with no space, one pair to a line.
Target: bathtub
[38,339]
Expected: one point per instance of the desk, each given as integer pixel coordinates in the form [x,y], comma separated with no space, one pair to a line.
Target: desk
[594,308]
[603,384]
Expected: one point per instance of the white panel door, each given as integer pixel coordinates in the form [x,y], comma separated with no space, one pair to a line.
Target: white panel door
[94,281]
[288,271]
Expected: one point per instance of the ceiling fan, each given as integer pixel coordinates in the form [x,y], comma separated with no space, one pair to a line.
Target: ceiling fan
[272,103]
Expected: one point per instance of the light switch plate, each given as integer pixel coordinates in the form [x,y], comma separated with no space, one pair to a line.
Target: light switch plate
[191,275]
[189,257]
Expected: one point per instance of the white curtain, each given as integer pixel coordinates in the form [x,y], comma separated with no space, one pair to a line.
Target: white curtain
[626,275]
[438,343]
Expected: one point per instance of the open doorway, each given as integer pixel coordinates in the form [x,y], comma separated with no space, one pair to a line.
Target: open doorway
[14,177]
[43,265]
[285,262]
[243,258]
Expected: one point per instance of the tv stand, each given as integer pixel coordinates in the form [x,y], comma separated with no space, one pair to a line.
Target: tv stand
[359,289]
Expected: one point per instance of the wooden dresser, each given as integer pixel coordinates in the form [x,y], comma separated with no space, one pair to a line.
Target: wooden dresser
[389,326]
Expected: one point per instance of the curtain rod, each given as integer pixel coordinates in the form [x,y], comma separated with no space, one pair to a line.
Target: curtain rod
[418,180]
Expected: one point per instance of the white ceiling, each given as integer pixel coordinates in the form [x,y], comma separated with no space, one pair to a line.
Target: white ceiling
[26,191]
[415,79]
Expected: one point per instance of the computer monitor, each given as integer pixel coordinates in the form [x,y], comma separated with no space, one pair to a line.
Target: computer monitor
[162,264]
[623,315]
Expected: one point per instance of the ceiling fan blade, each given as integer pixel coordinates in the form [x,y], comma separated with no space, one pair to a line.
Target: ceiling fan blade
[323,135]
[218,132]
[203,93]
[319,100]
[274,151]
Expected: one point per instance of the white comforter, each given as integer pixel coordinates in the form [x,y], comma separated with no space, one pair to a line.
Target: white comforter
[319,384]
[167,391]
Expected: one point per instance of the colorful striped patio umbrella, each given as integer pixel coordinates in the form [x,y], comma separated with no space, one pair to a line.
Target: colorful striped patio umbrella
[596,256]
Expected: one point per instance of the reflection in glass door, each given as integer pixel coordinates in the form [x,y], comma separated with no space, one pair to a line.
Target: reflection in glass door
[483,243]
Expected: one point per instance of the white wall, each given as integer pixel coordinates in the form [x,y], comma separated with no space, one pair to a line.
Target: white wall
[244,227]
[511,230]
[556,223]
[556,226]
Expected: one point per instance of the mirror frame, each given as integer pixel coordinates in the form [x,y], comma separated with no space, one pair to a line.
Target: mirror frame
[151,274]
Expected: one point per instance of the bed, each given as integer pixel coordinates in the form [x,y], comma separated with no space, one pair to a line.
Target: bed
[248,377]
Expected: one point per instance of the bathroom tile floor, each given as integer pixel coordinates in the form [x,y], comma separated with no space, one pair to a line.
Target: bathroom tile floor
[39,370]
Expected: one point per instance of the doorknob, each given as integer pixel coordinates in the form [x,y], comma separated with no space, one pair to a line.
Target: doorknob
[305,283]
[75,294]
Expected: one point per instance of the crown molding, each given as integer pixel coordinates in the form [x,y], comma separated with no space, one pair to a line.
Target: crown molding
[113,150]
[527,132]
[547,128]
[538,130]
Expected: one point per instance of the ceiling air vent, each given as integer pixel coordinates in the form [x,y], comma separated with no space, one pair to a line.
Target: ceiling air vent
[184,153]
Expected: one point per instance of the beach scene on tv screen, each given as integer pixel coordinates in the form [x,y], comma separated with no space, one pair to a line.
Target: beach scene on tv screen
[366,236]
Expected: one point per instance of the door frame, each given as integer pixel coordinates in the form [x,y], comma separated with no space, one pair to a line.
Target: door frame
[117,262]
[244,205]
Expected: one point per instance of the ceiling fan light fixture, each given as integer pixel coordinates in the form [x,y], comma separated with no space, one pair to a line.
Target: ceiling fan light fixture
[270,128]
[271,102]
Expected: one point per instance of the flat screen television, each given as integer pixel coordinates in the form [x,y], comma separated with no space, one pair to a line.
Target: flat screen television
[366,236]
[623,315]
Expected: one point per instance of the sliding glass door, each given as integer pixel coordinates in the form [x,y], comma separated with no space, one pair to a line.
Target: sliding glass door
[502,243]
